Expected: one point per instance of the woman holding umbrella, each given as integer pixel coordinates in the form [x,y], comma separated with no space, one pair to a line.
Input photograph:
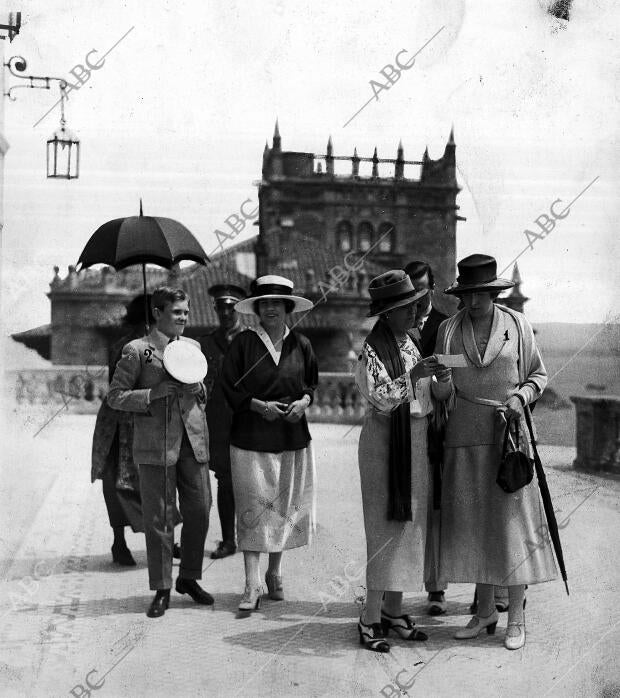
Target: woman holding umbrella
[488,536]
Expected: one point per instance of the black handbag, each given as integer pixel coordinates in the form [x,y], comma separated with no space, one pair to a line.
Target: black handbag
[516,470]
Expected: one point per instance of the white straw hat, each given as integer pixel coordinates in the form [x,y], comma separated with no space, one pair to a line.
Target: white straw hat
[272,286]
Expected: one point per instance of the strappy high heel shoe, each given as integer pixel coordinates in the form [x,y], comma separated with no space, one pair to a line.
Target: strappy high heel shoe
[372,637]
[275,590]
[476,625]
[515,636]
[403,626]
[250,601]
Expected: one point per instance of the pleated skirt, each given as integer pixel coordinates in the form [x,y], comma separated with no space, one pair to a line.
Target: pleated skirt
[274,498]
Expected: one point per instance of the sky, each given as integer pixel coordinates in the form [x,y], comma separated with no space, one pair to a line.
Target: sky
[179,112]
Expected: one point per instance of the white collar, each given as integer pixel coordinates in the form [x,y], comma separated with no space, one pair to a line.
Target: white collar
[266,339]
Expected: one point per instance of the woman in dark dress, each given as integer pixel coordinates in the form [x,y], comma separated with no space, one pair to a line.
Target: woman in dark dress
[112,459]
[269,377]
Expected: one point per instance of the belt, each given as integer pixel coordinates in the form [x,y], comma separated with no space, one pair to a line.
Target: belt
[478,400]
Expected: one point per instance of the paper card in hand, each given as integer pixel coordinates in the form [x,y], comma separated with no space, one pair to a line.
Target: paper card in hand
[452,360]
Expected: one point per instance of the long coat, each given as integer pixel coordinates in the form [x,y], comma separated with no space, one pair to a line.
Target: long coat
[111,424]
[488,535]
[157,436]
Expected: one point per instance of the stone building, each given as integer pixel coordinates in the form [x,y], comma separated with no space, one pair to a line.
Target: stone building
[328,222]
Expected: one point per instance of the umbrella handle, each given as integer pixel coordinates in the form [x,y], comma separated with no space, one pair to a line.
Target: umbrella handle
[146,302]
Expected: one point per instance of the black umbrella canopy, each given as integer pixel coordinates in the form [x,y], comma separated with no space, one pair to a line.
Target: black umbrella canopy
[143,240]
[123,242]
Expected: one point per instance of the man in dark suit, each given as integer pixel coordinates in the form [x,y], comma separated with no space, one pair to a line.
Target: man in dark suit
[429,318]
[171,446]
[428,322]
[219,414]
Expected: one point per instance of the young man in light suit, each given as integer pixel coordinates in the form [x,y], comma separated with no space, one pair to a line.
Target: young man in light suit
[171,446]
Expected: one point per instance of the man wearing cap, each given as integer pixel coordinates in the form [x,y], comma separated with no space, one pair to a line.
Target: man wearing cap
[219,414]
[171,446]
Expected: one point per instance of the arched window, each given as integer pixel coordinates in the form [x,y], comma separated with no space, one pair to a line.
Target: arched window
[365,233]
[387,236]
[344,236]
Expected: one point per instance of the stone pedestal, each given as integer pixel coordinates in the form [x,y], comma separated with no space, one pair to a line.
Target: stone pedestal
[598,432]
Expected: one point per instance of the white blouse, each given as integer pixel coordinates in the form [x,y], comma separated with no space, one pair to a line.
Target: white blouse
[385,394]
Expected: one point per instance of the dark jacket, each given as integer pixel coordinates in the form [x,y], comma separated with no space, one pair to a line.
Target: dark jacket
[250,372]
[429,331]
[215,346]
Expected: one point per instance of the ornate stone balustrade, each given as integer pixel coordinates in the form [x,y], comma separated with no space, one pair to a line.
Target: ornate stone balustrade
[337,399]
[81,389]
[598,432]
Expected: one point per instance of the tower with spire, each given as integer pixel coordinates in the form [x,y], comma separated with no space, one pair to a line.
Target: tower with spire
[515,298]
[393,209]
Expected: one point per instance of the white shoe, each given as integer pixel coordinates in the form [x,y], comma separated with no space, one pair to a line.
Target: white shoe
[515,636]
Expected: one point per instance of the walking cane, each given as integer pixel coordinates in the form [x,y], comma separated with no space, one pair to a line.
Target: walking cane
[166,466]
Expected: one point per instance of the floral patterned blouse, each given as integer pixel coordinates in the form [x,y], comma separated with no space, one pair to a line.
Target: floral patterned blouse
[383,393]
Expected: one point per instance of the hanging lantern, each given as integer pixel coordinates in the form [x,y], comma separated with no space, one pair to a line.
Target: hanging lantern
[63,148]
[63,155]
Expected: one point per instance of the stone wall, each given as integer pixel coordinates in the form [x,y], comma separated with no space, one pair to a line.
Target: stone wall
[598,433]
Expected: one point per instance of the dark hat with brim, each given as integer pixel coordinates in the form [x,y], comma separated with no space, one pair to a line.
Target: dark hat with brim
[390,290]
[276,287]
[478,272]
[227,293]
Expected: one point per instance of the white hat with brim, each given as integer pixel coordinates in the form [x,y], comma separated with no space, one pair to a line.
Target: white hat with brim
[185,361]
[272,286]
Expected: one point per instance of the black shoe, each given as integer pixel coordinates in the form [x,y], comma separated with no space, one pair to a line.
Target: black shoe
[191,587]
[436,603]
[122,555]
[403,626]
[159,604]
[372,636]
[176,551]
[224,549]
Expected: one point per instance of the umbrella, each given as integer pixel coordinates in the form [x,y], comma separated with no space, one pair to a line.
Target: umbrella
[547,503]
[123,242]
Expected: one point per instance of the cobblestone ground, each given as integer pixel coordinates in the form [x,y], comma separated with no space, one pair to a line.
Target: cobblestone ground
[71,618]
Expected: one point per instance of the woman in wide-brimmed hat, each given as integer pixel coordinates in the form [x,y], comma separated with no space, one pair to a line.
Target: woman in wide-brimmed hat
[393,459]
[485,531]
[269,377]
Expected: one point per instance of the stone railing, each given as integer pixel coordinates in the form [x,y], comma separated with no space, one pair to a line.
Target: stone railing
[337,399]
[83,387]
[79,388]
[598,432]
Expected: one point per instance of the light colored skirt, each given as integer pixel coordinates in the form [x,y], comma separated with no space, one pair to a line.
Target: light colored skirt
[488,535]
[274,498]
[395,549]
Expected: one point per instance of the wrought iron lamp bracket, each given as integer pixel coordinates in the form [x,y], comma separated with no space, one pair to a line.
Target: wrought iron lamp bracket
[18,63]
